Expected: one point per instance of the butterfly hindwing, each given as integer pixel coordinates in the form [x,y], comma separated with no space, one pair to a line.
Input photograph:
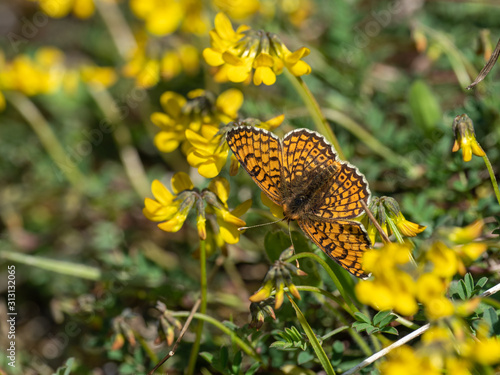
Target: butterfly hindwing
[341,199]
[344,241]
[259,153]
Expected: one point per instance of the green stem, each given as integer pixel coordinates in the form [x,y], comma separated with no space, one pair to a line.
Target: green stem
[203,309]
[367,138]
[347,298]
[318,118]
[53,265]
[406,322]
[395,230]
[48,139]
[205,318]
[492,176]
[123,139]
[327,294]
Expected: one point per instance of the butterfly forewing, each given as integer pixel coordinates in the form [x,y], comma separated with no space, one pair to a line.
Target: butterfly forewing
[259,152]
[305,152]
[342,240]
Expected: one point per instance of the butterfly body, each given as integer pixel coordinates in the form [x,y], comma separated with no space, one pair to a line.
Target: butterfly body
[302,174]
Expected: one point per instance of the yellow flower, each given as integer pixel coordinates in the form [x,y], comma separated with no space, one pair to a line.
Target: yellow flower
[444,260]
[239,52]
[211,205]
[238,9]
[61,8]
[170,209]
[404,360]
[465,138]
[194,125]
[98,76]
[391,287]
[175,61]
[163,17]
[406,227]
[279,276]
[386,211]
[145,69]
[487,351]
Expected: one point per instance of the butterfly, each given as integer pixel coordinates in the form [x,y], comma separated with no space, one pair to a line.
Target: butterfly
[302,174]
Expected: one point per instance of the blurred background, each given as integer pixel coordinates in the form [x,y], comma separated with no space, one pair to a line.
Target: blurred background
[79,81]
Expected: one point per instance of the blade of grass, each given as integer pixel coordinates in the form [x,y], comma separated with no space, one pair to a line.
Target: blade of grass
[320,353]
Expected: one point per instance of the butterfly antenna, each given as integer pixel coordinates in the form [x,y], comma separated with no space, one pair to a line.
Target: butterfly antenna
[261,225]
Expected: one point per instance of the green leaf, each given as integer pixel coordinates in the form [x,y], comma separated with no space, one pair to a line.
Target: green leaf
[390,330]
[320,353]
[424,106]
[362,317]
[209,357]
[275,243]
[304,357]
[383,317]
[372,329]
[237,362]
[253,369]
[462,290]
[281,345]
[469,284]
[66,368]
[481,282]
[491,318]
[359,326]
[223,357]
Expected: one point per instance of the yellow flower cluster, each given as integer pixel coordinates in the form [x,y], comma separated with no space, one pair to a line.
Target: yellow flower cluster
[389,216]
[146,64]
[193,125]
[45,73]
[41,74]
[163,17]
[61,8]
[453,351]
[172,209]
[238,53]
[398,284]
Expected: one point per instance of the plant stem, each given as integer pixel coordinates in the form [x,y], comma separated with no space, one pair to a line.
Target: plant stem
[367,138]
[54,265]
[347,298]
[326,294]
[203,308]
[492,176]
[48,139]
[242,344]
[319,119]
[123,139]
[121,34]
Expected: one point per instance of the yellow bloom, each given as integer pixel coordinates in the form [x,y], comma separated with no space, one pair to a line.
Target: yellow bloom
[386,211]
[207,153]
[169,209]
[239,52]
[42,74]
[163,17]
[211,205]
[145,69]
[487,351]
[98,76]
[404,360]
[465,138]
[406,227]
[61,8]
[391,287]
[444,260]
[238,9]
[201,108]
[175,61]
